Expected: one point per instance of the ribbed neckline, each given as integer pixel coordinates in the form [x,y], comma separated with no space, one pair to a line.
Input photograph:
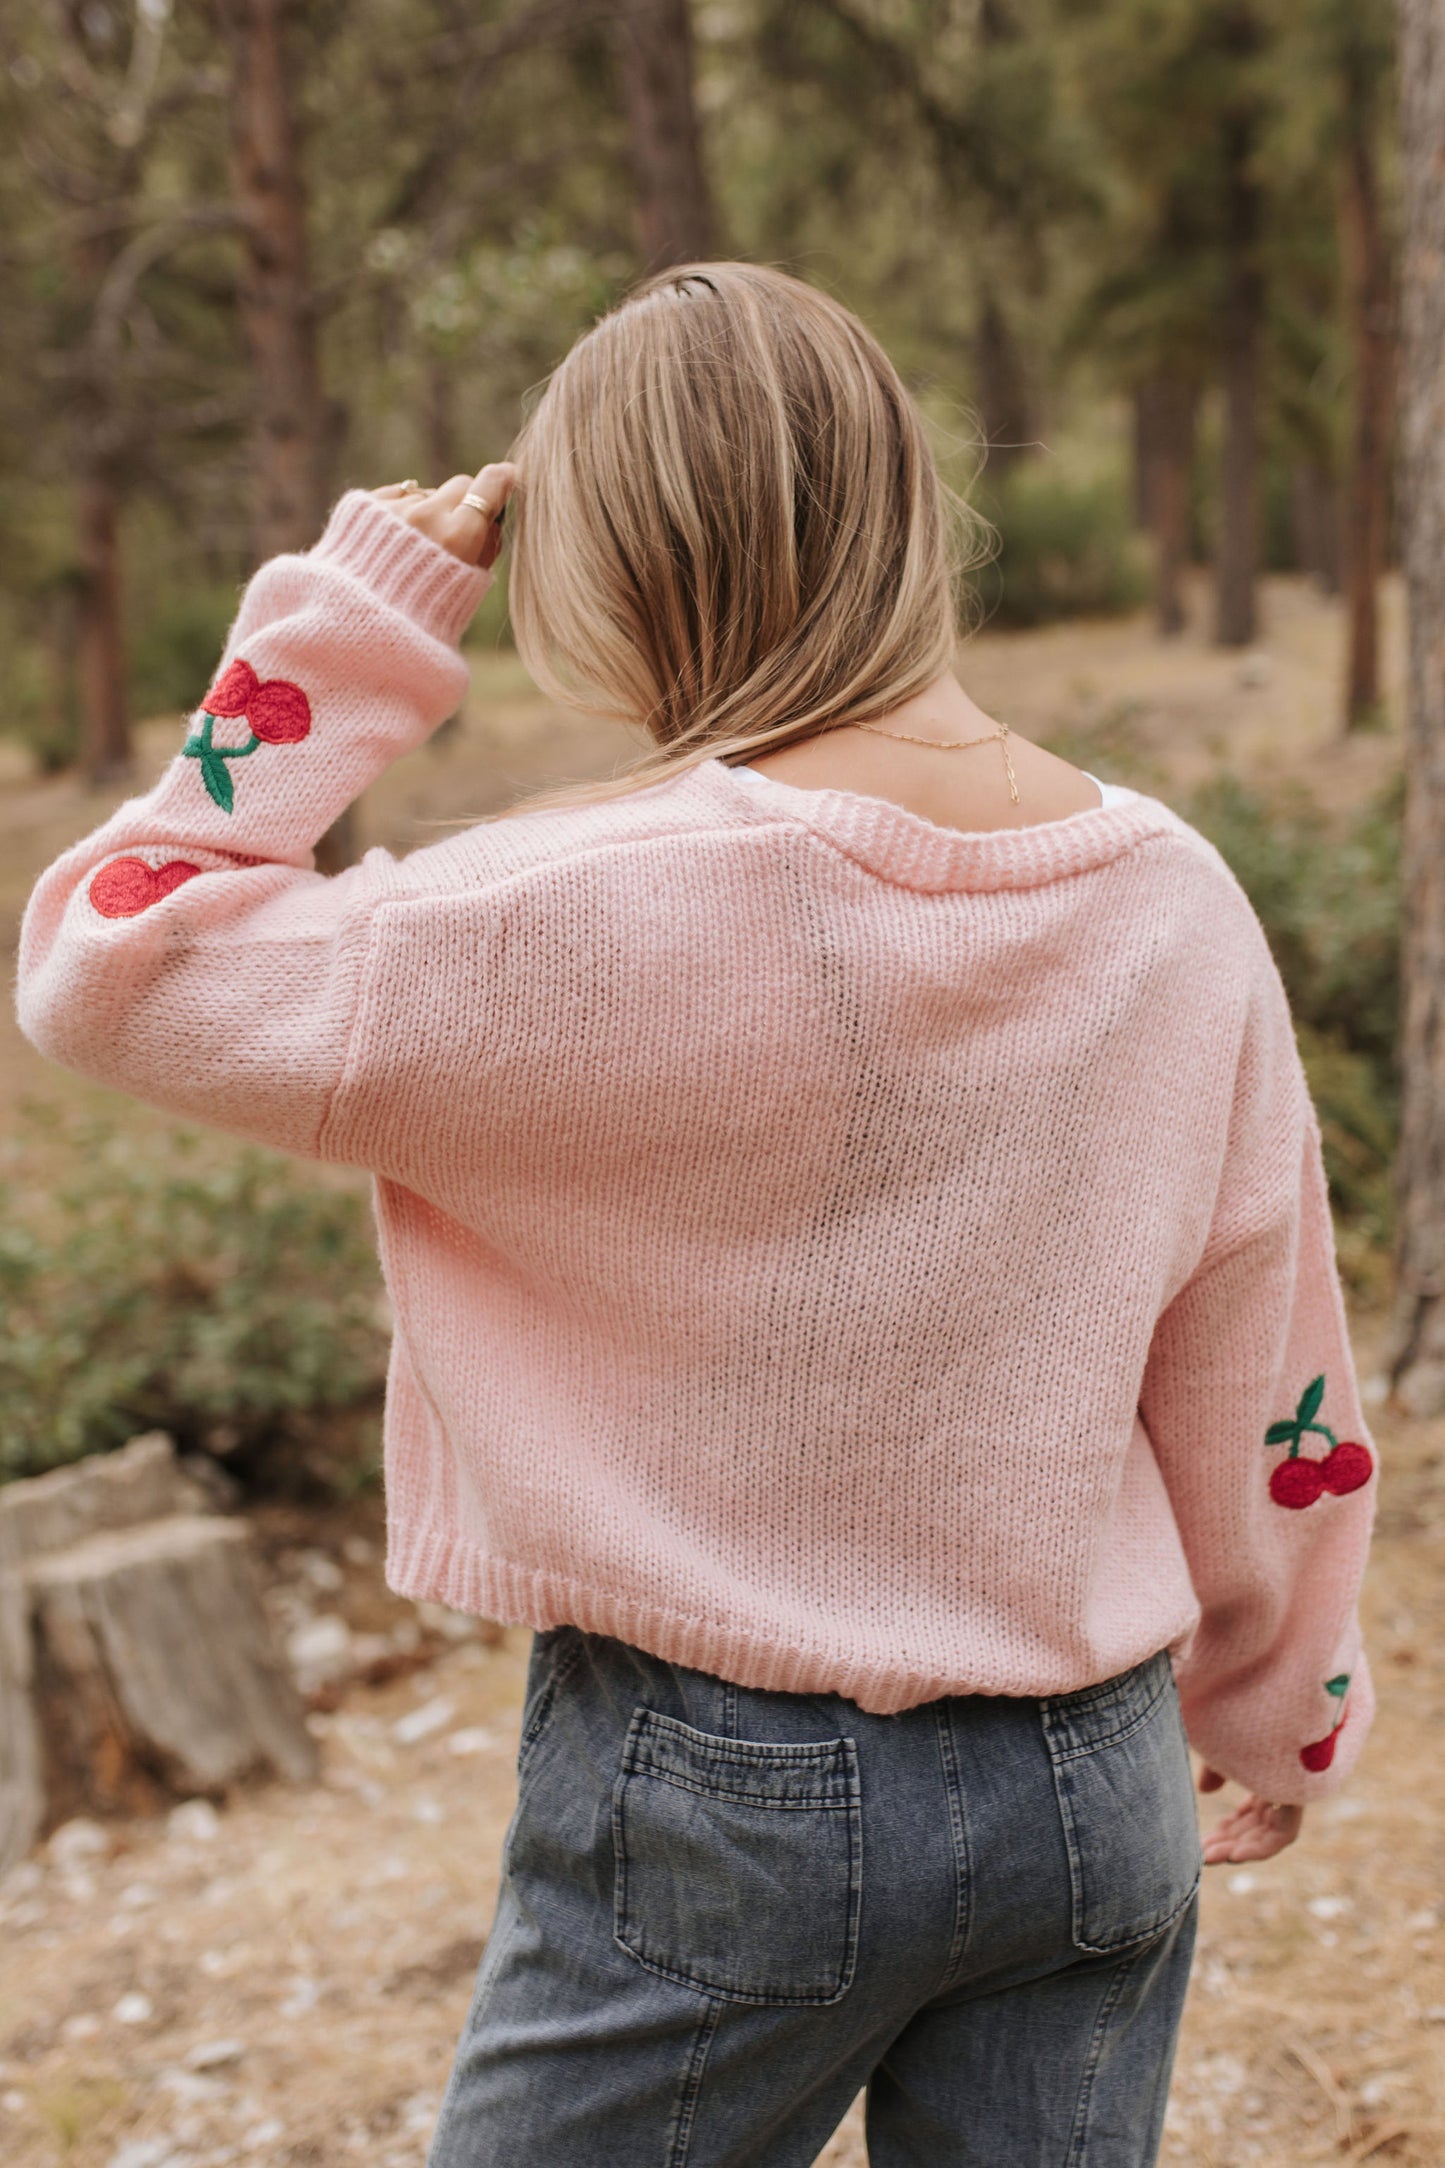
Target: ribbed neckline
[904,848]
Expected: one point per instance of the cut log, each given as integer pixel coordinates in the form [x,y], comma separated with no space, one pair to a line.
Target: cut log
[136,1664]
[153,1672]
[141,1482]
[22,1789]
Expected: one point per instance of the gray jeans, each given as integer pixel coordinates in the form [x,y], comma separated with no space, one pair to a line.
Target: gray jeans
[722,1912]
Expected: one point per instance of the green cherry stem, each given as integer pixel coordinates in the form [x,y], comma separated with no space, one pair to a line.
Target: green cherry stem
[213,758]
[1321,1429]
[201,748]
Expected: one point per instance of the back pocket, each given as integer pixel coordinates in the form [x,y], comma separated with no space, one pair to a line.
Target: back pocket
[1126,1796]
[738,1863]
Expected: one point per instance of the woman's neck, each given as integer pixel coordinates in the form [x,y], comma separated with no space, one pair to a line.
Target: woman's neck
[966,789]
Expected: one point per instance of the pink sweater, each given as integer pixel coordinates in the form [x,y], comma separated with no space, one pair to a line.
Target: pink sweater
[833,1250]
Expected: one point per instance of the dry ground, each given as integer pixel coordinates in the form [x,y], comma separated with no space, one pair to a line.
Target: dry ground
[281,1980]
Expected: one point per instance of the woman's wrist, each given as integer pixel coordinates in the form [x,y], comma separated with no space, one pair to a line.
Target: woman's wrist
[402,566]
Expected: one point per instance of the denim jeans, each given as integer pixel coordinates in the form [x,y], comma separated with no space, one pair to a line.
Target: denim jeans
[722,1912]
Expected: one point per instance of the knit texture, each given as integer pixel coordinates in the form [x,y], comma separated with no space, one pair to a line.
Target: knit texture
[833,1250]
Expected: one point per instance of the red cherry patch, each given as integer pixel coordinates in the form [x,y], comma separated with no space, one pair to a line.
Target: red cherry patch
[1347,1469]
[233,690]
[1319,1753]
[128,886]
[1297,1483]
[279,714]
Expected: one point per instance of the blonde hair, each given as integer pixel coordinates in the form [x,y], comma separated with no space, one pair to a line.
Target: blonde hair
[729,525]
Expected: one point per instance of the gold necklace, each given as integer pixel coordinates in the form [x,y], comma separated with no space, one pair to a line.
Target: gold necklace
[952,745]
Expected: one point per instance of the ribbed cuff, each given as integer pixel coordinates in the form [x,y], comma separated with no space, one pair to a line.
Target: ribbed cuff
[401,566]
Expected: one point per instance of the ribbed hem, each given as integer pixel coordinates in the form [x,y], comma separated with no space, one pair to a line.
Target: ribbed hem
[912,852]
[431,1566]
[403,567]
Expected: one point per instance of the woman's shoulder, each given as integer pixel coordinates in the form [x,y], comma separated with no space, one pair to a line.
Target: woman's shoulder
[532,838]
[706,802]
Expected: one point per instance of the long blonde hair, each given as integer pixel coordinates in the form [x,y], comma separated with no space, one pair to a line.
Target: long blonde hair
[729,526]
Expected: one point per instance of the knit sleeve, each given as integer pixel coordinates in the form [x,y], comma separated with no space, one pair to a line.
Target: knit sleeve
[187,952]
[1252,1404]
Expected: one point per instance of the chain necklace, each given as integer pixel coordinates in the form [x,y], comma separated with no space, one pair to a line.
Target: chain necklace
[952,745]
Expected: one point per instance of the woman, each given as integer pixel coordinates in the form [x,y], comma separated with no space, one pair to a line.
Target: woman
[864,1282]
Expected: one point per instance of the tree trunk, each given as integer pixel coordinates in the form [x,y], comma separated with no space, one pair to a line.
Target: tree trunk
[1368,285]
[1141,445]
[104,727]
[1006,404]
[1165,408]
[439,420]
[290,425]
[1314,513]
[276,302]
[675,220]
[1002,385]
[1416,1361]
[1237,568]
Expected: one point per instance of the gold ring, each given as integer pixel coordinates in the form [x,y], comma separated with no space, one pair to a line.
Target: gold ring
[413,484]
[479,504]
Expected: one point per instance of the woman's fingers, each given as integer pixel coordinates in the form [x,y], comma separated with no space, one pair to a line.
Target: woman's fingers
[1255,1830]
[468,531]
[475,534]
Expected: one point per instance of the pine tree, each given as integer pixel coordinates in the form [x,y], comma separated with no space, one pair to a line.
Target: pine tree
[1417,1359]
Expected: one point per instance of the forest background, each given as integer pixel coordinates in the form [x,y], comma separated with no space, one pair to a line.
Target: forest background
[1147,266]
[1137,258]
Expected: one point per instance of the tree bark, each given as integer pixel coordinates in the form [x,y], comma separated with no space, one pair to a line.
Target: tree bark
[1369,292]
[439,421]
[277,305]
[1416,1360]
[1237,619]
[1004,404]
[104,726]
[675,218]
[1165,410]
[278,311]
[1314,512]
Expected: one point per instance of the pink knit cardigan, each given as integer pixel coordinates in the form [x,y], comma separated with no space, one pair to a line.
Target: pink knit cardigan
[833,1250]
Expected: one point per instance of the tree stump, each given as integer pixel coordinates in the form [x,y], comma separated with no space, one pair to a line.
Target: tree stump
[136,1664]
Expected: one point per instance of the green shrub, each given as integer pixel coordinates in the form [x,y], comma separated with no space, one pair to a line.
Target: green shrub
[1067,549]
[1328,897]
[174,651]
[170,1282]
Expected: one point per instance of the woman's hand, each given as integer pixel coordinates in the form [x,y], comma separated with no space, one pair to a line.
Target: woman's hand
[442,515]
[1255,1830]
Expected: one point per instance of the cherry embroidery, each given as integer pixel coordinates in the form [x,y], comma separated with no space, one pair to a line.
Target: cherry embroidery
[128,886]
[1298,1481]
[276,712]
[1321,1752]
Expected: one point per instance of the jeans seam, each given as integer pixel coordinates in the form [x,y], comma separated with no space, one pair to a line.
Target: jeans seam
[1056,1717]
[684,2115]
[1078,2136]
[958,1840]
[562,1668]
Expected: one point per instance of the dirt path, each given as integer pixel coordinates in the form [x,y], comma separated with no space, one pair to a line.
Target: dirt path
[281,1981]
